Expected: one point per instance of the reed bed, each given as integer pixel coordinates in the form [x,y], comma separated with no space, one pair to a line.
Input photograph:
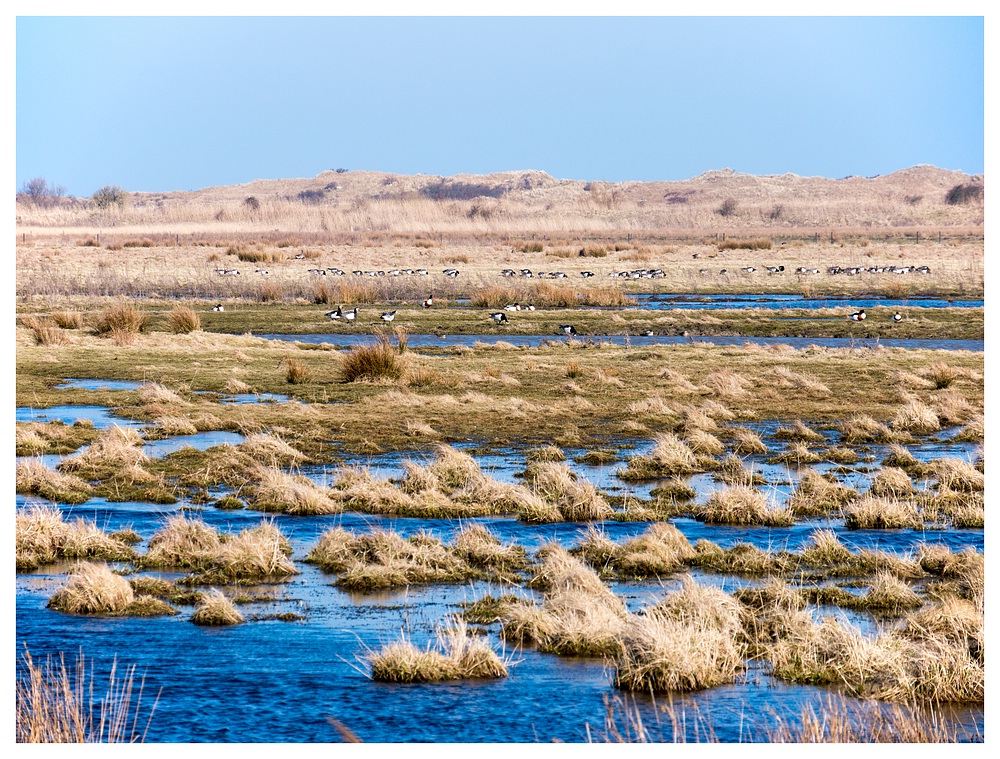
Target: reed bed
[55,703]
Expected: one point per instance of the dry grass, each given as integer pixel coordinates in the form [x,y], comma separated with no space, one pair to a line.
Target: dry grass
[68,319]
[816,495]
[43,332]
[746,441]
[743,505]
[32,477]
[296,371]
[798,432]
[916,417]
[575,498]
[123,318]
[215,609]
[458,656]
[689,641]
[93,589]
[56,704]
[670,457]
[958,475]
[183,320]
[43,537]
[891,482]
[873,513]
[380,361]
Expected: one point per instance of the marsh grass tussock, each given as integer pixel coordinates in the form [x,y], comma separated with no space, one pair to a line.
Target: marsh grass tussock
[864,429]
[958,475]
[891,482]
[816,494]
[687,642]
[297,372]
[122,318]
[43,537]
[68,319]
[670,457]
[457,656]
[378,361]
[874,513]
[743,505]
[273,490]
[183,320]
[32,477]
[93,589]
[745,441]
[215,609]
[576,499]
[798,432]
[916,417]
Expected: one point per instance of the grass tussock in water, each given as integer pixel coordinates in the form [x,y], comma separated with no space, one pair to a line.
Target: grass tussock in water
[746,442]
[743,505]
[115,455]
[891,482]
[670,457]
[916,417]
[44,537]
[798,432]
[734,472]
[458,656]
[215,609]
[890,666]
[817,494]
[689,641]
[273,490]
[576,499]
[865,429]
[958,475]
[32,477]
[874,513]
[660,550]
[93,589]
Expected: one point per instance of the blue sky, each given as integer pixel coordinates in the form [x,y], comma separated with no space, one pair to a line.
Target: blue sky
[185,102]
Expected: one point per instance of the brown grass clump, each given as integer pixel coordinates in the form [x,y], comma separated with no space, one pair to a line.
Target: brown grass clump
[32,477]
[44,333]
[271,449]
[372,363]
[704,443]
[901,458]
[660,550]
[952,408]
[670,457]
[746,441]
[459,657]
[114,450]
[93,589]
[864,429]
[182,542]
[182,321]
[727,384]
[734,472]
[68,319]
[955,474]
[271,489]
[889,666]
[215,609]
[798,432]
[256,553]
[296,371]
[973,432]
[816,495]
[782,376]
[825,550]
[941,374]
[384,559]
[57,705]
[480,548]
[891,482]
[576,499]
[914,416]
[872,513]
[42,537]
[956,620]
[687,642]
[890,594]
[743,505]
[123,318]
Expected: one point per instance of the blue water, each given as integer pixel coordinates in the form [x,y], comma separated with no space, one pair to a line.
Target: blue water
[637,341]
[99,384]
[101,416]
[775,301]
[282,682]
